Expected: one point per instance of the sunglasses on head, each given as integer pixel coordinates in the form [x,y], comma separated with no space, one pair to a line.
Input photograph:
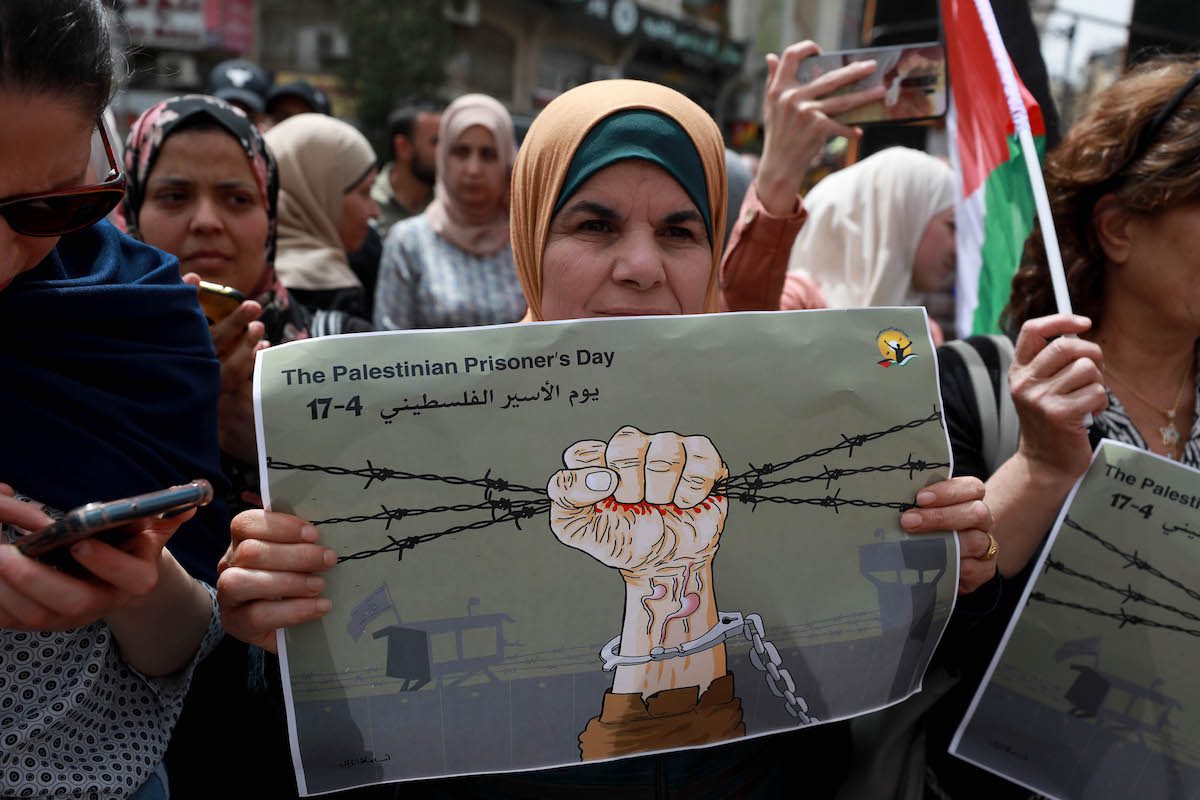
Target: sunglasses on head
[66,210]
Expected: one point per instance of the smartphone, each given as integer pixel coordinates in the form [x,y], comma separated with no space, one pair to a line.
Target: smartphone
[113,522]
[218,301]
[914,76]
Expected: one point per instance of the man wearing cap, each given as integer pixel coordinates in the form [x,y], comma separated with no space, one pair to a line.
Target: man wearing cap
[243,84]
[405,184]
[296,97]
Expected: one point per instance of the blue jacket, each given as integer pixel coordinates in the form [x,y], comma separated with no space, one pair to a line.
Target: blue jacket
[109,384]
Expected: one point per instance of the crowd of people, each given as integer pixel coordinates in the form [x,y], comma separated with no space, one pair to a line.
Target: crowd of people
[154,671]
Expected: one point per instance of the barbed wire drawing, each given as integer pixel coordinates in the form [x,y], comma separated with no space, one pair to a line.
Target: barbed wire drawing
[1121,616]
[1132,560]
[746,488]
[1127,594]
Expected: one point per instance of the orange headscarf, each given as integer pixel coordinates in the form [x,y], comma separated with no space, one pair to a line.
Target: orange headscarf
[550,145]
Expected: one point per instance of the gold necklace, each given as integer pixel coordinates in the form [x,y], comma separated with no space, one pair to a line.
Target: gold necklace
[1169,434]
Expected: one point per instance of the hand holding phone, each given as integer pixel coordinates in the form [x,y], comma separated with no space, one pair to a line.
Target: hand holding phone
[218,301]
[113,522]
[912,78]
[237,337]
[233,324]
[799,118]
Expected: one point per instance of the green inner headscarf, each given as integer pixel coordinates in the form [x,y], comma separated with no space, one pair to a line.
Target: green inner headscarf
[645,135]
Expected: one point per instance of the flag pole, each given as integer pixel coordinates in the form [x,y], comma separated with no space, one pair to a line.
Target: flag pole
[1020,118]
[1058,275]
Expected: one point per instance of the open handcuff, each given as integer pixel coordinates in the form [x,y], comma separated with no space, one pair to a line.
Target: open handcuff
[729,625]
[764,656]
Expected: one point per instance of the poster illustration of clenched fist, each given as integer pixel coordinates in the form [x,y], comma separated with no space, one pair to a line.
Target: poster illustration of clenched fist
[566,542]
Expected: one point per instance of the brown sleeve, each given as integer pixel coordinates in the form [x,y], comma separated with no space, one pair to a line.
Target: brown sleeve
[670,719]
[756,258]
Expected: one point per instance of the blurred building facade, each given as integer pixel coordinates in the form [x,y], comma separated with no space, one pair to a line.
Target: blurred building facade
[1087,48]
[524,52]
[173,43]
[527,51]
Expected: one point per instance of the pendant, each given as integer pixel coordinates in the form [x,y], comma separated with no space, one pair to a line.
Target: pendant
[1170,435]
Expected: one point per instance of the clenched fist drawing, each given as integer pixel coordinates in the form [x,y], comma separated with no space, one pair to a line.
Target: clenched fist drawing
[644,504]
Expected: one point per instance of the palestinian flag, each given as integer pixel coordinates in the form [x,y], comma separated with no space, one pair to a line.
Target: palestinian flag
[994,205]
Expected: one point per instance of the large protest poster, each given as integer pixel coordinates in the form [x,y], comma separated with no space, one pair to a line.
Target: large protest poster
[1093,692]
[541,525]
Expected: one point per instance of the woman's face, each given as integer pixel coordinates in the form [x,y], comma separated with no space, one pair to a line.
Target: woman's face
[475,176]
[628,242]
[1161,268]
[934,263]
[203,205]
[47,148]
[358,209]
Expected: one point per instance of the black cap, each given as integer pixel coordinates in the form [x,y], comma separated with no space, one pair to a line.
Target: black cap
[240,81]
[317,100]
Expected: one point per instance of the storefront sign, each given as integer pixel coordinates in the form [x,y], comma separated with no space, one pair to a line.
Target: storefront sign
[231,25]
[693,44]
[174,24]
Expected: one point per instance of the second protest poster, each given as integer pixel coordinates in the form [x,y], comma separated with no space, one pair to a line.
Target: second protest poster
[1093,693]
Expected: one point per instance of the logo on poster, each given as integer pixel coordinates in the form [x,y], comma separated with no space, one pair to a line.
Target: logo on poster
[895,346]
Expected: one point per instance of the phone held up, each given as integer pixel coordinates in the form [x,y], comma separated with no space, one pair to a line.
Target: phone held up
[218,301]
[913,76]
[113,522]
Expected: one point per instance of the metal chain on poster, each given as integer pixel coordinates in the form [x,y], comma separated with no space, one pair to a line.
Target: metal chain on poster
[765,658]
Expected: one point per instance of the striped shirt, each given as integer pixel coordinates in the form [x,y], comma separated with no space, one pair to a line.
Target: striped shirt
[427,282]
[1115,423]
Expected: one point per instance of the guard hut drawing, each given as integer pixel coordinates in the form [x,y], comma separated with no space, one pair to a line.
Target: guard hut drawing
[905,573]
[1098,694]
[410,656]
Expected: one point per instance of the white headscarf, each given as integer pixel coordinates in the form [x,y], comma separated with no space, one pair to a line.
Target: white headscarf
[864,224]
[320,159]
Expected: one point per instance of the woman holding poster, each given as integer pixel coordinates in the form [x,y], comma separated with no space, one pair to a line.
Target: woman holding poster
[631,224]
[1123,188]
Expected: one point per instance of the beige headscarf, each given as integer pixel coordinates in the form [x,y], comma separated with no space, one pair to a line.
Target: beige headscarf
[320,159]
[864,224]
[551,143]
[443,215]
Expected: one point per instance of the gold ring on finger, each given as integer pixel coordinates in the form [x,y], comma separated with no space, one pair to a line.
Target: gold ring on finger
[992,549]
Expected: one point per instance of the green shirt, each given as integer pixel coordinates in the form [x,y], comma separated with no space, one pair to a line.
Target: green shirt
[392,211]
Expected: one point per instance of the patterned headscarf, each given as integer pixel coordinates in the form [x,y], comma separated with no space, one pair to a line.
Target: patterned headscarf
[155,126]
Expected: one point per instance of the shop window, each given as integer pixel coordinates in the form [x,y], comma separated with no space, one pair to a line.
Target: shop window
[560,69]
